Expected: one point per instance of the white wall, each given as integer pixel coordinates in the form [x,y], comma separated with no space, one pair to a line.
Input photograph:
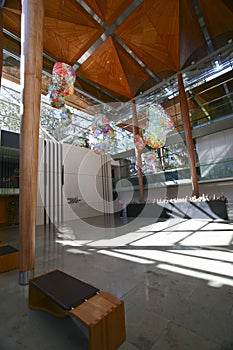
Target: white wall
[87,181]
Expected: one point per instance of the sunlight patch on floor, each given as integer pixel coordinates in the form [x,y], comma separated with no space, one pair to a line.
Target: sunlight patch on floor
[77,251]
[208,238]
[209,254]
[213,281]
[189,225]
[74,243]
[125,257]
[207,265]
[161,239]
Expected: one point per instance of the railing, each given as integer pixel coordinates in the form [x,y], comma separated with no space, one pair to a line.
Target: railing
[210,171]
[219,170]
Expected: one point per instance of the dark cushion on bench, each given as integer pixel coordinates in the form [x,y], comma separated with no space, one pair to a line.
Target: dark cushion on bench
[63,289]
[7,249]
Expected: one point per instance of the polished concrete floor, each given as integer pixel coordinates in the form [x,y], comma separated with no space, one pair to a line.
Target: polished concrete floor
[175,277]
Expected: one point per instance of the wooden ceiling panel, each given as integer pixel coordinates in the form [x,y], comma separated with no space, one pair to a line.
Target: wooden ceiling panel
[69,11]
[13,6]
[135,75]
[11,45]
[94,91]
[108,10]
[68,30]
[167,25]
[153,35]
[11,21]
[218,17]
[229,4]
[67,41]
[165,35]
[191,36]
[111,67]
[163,15]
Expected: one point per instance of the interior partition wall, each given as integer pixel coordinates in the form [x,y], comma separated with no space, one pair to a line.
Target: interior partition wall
[74,182]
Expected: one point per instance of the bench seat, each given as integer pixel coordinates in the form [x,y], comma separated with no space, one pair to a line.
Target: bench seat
[63,295]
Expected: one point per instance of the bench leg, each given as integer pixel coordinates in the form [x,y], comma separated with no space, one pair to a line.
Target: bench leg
[39,301]
[109,332]
[104,317]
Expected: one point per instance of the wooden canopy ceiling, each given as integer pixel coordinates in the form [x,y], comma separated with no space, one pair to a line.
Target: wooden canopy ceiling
[120,48]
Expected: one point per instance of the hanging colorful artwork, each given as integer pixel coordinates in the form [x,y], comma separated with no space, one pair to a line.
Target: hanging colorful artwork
[100,148]
[101,136]
[139,143]
[66,116]
[150,160]
[158,125]
[57,99]
[63,79]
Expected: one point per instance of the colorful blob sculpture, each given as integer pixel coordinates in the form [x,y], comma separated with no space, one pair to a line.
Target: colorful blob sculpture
[158,126]
[57,99]
[63,79]
[150,160]
[139,143]
[101,136]
[65,117]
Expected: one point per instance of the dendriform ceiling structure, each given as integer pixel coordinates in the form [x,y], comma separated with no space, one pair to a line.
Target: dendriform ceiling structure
[130,49]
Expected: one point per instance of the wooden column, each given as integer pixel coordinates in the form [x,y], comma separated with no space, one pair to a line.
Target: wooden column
[138,153]
[188,135]
[31,74]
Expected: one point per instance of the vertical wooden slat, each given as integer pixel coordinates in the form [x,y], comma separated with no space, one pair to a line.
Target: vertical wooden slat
[31,74]
[188,135]
[137,152]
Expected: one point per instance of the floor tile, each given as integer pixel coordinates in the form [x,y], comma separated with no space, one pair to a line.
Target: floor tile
[177,296]
[176,337]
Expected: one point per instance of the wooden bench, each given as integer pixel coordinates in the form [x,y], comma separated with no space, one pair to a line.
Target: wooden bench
[63,295]
[9,257]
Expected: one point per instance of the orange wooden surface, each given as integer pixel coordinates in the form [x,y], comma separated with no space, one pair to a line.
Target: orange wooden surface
[188,135]
[103,314]
[165,35]
[93,310]
[108,10]
[136,131]
[32,47]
